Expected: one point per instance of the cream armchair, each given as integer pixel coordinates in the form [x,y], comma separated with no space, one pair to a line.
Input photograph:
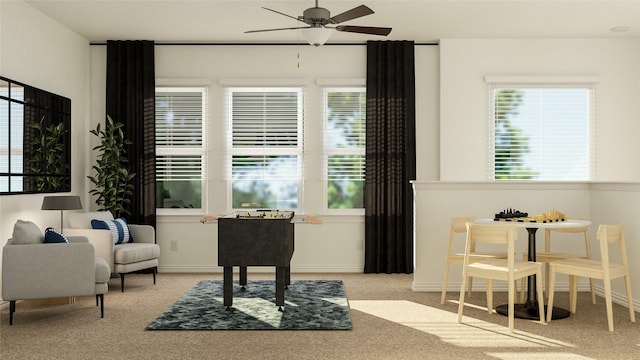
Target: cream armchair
[141,254]
[37,270]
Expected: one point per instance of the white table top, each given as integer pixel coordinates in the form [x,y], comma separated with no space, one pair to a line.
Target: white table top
[569,223]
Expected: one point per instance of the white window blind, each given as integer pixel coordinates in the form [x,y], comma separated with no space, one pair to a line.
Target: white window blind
[265,152]
[180,146]
[345,132]
[541,131]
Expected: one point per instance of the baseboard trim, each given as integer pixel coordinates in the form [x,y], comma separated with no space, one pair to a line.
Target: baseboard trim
[261,269]
[616,297]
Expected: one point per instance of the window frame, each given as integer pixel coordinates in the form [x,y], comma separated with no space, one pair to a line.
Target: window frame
[232,150]
[191,151]
[581,82]
[328,151]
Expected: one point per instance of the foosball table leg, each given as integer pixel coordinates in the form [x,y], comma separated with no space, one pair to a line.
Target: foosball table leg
[227,285]
[243,277]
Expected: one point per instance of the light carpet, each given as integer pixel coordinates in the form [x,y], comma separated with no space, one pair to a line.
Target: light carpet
[309,305]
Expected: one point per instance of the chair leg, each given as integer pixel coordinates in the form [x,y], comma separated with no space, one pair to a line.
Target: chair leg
[608,302]
[490,296]
[512,300]
[121,282]
[523,284]
[155,270]
[541,296]
[551,291]
[546,278]
[101,297]
[632,312]
[444,283]
[593,291]
[573,293]
[12,309]
[462,294]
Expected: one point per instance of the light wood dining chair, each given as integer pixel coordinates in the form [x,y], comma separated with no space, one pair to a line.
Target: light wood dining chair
[508,269]
[457,229]
[548,255]
[603,270]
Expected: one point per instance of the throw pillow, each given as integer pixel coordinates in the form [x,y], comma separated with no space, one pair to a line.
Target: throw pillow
[118,227]
[26,232]
[52,235]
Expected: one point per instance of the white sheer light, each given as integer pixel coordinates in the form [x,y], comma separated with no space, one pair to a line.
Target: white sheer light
[316,36]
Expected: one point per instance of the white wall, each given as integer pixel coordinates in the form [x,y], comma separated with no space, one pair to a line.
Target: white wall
[40,52]
[338,244]
[465,62]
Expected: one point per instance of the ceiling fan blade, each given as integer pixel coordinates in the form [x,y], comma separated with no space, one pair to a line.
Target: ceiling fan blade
[283,14]
[289,28]
[364,29]
[354,13]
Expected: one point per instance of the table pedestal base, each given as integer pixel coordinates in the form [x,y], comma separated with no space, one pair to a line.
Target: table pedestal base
[530,311]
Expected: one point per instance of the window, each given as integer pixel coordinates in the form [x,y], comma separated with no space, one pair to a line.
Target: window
[180,148]
[541,131]
[265,147]
[345,131]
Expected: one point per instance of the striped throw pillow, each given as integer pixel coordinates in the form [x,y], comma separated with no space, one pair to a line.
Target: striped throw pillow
[118,227]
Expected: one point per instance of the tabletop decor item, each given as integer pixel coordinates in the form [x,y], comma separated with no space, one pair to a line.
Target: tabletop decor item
[62,203]
[513,215]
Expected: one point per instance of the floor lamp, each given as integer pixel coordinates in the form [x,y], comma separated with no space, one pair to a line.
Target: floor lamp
[61,203]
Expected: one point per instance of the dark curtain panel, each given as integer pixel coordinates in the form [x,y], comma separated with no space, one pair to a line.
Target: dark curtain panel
[391,158]
[131,100]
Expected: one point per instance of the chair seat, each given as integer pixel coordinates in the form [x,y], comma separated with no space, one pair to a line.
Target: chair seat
[135,252]
[551,256]
[499,268]
[481,256]
[588,268]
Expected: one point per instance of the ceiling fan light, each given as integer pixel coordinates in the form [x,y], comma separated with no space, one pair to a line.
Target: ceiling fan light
[316,36]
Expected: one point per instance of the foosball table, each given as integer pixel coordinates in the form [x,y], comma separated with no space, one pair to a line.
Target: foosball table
[256,238]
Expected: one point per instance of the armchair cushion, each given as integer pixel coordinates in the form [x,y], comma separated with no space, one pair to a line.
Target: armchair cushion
[52,235]
[118,227]
[26,232]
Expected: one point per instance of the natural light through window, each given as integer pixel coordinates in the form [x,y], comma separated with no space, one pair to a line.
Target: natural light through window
[265,149]
[345,132]
[541,131]
[444,325]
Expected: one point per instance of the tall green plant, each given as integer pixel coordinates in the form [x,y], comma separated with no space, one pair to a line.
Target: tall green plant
[112,182]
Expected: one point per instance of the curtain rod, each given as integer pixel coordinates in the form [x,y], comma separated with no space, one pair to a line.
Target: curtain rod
[435,43]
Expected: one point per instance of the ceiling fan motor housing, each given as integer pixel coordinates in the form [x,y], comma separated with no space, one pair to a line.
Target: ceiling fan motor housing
[316,16]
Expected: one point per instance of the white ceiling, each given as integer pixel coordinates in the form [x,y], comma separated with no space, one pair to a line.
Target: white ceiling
[418,20]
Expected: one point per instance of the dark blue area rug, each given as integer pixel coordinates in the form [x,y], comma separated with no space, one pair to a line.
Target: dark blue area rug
[309,305]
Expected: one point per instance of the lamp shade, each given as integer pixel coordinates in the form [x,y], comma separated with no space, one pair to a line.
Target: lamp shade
[61,203]
[316,36]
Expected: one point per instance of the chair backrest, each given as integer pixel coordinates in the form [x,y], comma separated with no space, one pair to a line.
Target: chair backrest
[459,226]
[82,220]
[611,234]
[492,234]
[571,230]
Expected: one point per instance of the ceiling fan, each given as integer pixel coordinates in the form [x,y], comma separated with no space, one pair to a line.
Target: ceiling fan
[321,23]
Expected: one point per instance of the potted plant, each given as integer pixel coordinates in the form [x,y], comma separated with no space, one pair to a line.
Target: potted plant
[112,180]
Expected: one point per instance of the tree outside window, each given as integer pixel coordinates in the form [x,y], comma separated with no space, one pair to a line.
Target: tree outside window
[345,147]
